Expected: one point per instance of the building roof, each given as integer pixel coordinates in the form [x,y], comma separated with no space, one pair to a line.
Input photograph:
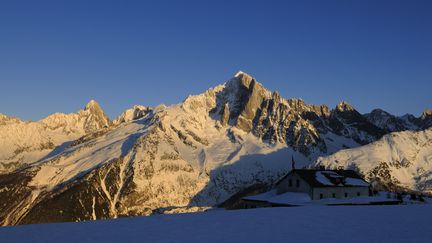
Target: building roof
[329,178]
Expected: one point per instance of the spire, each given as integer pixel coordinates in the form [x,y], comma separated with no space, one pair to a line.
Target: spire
[92,104]
[426,113]
[344,106]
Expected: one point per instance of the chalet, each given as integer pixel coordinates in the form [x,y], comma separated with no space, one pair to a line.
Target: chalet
[321,184]
[317,187]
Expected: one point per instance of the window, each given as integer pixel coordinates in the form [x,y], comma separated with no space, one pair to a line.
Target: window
[321,196]
[290,183]
[334,195]
[358,194]
[346,194]
[297,183]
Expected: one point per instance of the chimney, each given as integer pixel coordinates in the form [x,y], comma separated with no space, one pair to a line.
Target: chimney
[292,162]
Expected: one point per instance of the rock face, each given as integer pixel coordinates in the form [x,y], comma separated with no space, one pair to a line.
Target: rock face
[254,109]
[184,157]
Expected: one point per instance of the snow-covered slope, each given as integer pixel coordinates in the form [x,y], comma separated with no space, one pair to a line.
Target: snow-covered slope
[25,142]
[377,224]
[183,157]
[400,159]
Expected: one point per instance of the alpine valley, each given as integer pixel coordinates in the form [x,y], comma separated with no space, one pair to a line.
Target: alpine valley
[197,154]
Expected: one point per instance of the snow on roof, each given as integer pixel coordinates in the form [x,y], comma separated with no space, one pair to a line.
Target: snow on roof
[329,178]
[355,182]
[321,178]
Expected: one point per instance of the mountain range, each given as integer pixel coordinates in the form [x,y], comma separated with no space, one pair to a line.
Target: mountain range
[196,154]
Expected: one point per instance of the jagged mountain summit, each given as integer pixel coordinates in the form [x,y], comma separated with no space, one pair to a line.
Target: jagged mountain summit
[134,113]
[183,157]
[391,123]
[26,142]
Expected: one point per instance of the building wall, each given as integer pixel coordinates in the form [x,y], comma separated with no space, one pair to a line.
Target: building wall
[314,193]
[284,186]
[339,192]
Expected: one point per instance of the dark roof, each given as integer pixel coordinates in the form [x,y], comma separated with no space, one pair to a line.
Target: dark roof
[310,176]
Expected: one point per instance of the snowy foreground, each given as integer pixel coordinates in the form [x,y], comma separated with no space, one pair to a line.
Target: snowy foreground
[407,223]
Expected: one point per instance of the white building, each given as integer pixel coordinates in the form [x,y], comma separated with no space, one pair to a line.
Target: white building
[316,187]
[321,184]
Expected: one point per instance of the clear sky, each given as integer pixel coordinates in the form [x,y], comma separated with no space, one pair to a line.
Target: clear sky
[57,55]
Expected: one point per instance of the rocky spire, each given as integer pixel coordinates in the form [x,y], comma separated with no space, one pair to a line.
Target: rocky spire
[344,106]
[134,113]
[95,117]
[427,113]
[426,118]
[248,97]
[92,105]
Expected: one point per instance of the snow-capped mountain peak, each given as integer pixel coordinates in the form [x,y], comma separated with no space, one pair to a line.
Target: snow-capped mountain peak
[344,106]
[426,113]
[26,142]
[240,73]
[92,105]
[134,113]
[186,156]
[391,123]
[4,119]
[426,117]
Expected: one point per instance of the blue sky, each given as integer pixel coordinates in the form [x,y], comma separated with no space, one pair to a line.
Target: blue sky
[57,55]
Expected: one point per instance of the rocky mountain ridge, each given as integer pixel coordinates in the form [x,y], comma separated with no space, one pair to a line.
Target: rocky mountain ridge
[392,123]
[25,142]
[183,157]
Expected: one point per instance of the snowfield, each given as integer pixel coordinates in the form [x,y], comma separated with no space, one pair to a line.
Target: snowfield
[405,223]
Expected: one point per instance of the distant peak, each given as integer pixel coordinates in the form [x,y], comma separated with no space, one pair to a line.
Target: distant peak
[244,79]
[94,108]
[4,117]
[427,113]
[379,111]
[241,73]
[376,110]
[408,116]
[92,104]
[344,106]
